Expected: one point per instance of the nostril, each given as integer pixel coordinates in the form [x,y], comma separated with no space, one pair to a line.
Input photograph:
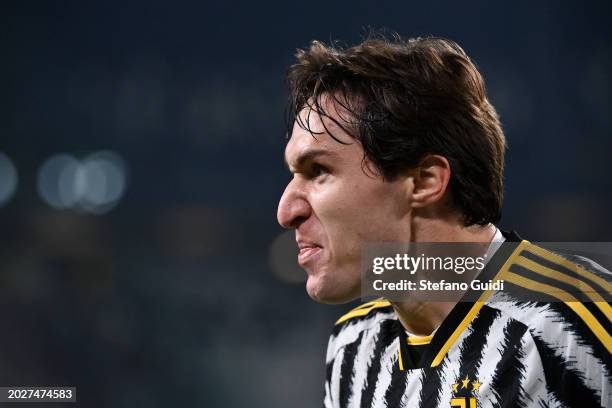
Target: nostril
[297,221]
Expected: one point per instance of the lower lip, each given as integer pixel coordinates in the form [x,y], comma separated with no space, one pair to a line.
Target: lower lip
[307,254]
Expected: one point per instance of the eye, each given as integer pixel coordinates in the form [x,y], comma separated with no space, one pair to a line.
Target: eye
[318,170]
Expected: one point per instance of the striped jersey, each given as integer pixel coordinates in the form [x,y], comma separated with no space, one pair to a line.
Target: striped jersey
[497,351]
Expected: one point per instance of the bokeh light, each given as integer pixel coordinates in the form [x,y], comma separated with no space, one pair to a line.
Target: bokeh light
[94,184]
[8,179]
[283,259]
[49,176]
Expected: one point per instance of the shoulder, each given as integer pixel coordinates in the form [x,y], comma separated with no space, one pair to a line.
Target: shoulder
[536,273]
[563,300]
[360,323]
[558,295]
[364,310]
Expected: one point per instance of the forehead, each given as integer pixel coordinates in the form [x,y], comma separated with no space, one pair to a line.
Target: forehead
[312,134]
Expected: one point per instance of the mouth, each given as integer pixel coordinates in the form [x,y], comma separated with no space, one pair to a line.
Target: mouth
[308,253]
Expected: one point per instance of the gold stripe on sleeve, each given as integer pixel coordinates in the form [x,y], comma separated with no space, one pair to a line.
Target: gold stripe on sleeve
[580,285]
[364,309]
[596,327]
[569,265]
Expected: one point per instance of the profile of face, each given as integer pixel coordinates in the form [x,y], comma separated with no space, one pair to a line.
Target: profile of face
[336,202]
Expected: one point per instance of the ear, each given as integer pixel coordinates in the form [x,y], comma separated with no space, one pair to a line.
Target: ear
[430,180]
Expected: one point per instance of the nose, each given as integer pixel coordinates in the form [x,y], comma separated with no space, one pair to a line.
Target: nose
[293,207]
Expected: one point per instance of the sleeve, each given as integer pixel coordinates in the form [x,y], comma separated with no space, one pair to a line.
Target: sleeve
[329,397]
[327,402]
[576,362]
[333,366]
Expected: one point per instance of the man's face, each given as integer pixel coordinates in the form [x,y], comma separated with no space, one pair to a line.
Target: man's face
[336,202]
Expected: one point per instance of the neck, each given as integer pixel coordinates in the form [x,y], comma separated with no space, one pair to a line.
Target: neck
[422,318]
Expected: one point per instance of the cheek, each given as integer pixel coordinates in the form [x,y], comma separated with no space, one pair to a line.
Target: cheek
[353,213]
[339,208]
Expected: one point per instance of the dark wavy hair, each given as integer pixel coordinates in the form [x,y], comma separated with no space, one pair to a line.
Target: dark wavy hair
[407,99]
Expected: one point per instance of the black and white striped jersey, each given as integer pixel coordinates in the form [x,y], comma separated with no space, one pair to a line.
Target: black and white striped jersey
[495,352]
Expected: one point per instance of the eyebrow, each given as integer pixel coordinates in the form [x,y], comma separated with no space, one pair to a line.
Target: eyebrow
[309,155]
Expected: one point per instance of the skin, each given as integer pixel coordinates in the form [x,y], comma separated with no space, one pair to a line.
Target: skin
[336,201]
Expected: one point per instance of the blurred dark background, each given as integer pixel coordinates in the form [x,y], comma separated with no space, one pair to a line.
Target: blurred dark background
[141,164]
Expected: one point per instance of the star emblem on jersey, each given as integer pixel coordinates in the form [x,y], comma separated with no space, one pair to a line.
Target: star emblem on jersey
[465,384]
[463,393]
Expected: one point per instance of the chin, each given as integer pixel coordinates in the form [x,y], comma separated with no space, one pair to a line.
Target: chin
[324,291]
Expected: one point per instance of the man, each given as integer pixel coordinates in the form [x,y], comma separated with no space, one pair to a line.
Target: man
[396,141]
